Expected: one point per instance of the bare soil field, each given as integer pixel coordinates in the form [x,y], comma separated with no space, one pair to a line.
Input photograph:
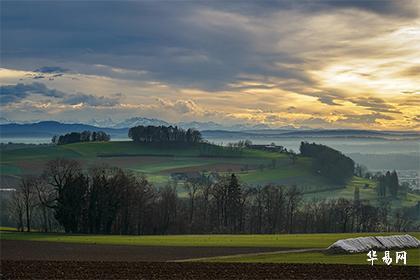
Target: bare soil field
[125,162]
[202,271]
[8,181]
[32,166]
[37,166]
[213,167]
[33,250]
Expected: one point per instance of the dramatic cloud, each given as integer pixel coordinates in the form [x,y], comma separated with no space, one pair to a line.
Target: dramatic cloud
[15,93]
[181,106]
[401,8]
[329,100]
[19,92]
[324,63]
[365,118]
[374,104]
[51,70]
[90,100]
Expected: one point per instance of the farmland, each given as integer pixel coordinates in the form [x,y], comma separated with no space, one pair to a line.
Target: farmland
[159,162]
[312,257]
[225,271]
[204,256]
[294,256]
[321,240]
[267,254]
[274,248]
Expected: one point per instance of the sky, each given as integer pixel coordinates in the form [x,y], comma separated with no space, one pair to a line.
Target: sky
[319,64]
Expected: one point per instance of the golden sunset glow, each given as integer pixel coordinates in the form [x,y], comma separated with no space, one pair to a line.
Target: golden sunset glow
[342,68]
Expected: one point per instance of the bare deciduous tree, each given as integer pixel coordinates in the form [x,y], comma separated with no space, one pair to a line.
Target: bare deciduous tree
[16,208]
[27,190]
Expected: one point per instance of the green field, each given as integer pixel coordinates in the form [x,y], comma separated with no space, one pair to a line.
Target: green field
[321,240]
[280,241]
[413,258]
[7,229]
[254,167]
[158,162]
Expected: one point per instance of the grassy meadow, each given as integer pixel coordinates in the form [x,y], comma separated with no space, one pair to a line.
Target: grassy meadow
[413,258]
[280,241]
[295,241]
[158,162]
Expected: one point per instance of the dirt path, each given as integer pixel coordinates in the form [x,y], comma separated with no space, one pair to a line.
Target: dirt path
[201,271]
[254,254]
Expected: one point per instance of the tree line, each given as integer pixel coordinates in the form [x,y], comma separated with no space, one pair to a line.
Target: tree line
[113,201]
[85,136]
[388,184]
[164,134]
[328,162]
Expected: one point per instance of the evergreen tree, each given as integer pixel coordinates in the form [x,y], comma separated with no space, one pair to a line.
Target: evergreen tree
[328,162]
[233,202]
[356,195]
[393,183]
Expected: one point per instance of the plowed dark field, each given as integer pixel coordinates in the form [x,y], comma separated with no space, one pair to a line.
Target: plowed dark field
[52,251]
[201,271]
[49,260]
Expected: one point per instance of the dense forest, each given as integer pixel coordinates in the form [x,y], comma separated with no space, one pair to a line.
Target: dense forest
[388,184]
[328,162]
[112,201]
[164,134]
[85,136]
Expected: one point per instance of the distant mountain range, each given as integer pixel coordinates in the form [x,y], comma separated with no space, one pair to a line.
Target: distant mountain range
[51,128]
[210,130]
[268,134]
[131,122]
[156,122]
[4,120]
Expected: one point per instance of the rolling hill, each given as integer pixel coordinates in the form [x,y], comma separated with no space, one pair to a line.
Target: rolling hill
[210,130]
[160,163]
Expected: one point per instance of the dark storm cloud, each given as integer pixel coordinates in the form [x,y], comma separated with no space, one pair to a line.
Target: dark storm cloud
[16,93]
[329,100]
[51,70]
[375,104]
[159,39]
[170,42]
[400,8]
[140,36]
[38,77]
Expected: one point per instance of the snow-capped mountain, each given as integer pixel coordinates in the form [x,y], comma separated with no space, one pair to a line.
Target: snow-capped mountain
[247,126]
[102,123]
[140,121]
[135,121]
[202,125]
[5,121]
[216,126]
